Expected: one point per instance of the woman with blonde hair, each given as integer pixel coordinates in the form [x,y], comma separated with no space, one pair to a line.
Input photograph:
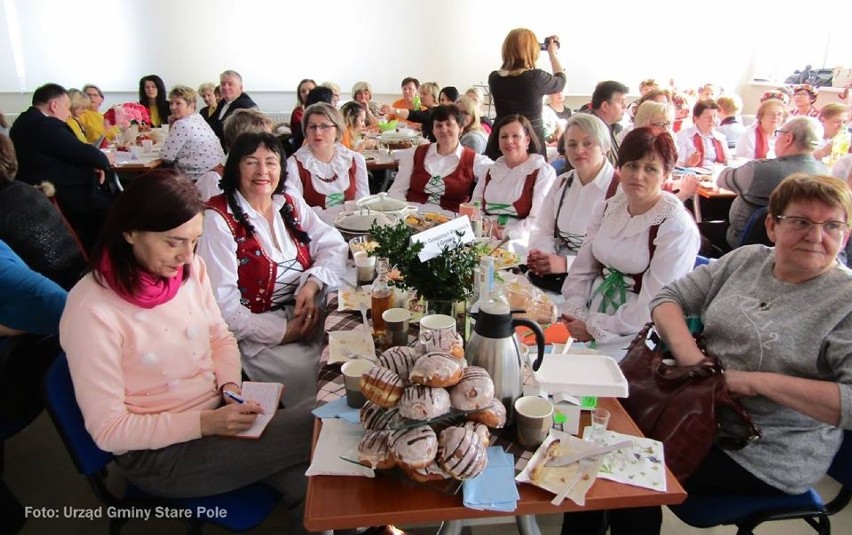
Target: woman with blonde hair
[758,139]
[472,134]
[355,119]
[363,94]
[322,170]
[79,103]
[192,146]
[207,92]
[518,87]
[834,117]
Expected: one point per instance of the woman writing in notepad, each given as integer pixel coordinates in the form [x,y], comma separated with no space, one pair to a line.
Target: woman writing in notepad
[151,357]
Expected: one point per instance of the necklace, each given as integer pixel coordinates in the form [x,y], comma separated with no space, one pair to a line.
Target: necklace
[327,180]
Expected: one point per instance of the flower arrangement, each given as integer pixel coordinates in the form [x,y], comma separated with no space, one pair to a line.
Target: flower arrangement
[127,114]
[449,276]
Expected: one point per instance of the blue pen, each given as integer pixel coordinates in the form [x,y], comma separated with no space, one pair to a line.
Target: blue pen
[232,395]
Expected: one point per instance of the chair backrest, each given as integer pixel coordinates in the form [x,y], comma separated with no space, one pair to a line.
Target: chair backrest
[841,468]
[755,230]
[65,413]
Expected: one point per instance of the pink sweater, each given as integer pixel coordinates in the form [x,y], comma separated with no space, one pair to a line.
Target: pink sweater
[143,376]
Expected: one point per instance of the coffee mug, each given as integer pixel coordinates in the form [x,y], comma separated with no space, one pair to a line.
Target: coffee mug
[533,419]
[352,372]
[438,333]
[396,321]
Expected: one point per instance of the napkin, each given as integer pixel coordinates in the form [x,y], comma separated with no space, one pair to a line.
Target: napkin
[338,409]
[588,469]
[642,465]
[337,438]
[494,489]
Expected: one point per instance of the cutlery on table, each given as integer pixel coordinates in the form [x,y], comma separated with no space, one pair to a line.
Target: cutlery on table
[565,460]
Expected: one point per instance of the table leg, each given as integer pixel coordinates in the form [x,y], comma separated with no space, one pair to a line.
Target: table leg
[696,207]
[527,525]
[450,527]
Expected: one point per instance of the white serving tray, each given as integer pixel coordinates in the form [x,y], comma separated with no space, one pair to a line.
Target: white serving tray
[582,375]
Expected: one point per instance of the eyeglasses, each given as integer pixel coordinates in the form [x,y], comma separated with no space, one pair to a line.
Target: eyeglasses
[803,224]
[321,127]
[665,125]
[781,131]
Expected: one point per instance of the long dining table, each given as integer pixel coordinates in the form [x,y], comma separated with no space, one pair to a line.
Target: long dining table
[344,502]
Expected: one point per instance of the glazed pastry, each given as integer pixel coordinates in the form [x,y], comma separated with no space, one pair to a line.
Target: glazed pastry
[474,391]
[431,472]
[457,351]
[481,430]
[437,369]
[400,359]
[376,418]
[461,453]
[420,402]
[414,447]
[373,450]
[381,386]
[494,415]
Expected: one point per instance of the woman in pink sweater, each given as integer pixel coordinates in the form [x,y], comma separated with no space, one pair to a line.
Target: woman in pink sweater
[150,357]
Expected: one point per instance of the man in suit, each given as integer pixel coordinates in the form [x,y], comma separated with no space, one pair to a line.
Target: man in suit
[49,151]
[233,98]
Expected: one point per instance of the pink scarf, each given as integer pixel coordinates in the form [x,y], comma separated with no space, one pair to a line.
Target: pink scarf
[150,291]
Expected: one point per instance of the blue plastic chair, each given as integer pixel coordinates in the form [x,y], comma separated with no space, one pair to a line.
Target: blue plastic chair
[747,512]
[246,507]
[755,230]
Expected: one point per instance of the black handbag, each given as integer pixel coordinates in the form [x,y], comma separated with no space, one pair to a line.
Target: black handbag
[687,408]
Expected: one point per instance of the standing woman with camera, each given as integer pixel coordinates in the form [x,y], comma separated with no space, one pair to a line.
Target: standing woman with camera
[519,87]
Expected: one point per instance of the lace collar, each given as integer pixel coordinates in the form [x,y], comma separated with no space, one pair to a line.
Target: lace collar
[500,169]
[618,221]
[338,166]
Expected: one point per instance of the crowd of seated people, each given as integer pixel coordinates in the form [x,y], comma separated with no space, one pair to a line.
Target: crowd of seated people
[236,231]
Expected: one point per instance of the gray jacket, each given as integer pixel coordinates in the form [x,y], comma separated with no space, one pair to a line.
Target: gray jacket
[755,181]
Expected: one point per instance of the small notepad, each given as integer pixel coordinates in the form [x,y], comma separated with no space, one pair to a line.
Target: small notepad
[268,395]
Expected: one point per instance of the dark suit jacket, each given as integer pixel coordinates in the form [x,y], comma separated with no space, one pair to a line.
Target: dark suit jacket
[48,150]
[242,102]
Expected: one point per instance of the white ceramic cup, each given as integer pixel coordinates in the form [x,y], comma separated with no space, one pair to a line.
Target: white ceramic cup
[534,418]
[352,372]
[148,146]
[135,152]
[438,332]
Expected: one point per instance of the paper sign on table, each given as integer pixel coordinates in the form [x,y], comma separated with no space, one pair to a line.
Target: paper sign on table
[444,235]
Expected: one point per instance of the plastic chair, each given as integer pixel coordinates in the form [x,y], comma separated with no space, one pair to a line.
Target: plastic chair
[246,507]
[747,512]
[701,261]
[755,230]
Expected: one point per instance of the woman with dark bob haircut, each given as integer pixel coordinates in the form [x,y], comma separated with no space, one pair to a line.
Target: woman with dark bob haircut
[152,95]
[151,358]
[636,242]
[271,259]
[441,173]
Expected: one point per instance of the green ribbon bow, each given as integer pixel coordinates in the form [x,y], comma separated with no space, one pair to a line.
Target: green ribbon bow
[334,199]
[503,211]
[613,291]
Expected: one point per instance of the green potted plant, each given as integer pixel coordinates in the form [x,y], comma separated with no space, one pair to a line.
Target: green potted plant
[443,282]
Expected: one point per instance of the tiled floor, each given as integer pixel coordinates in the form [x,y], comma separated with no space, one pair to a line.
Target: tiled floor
[41,474]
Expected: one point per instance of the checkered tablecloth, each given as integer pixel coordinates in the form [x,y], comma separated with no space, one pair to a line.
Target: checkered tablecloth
[330,382]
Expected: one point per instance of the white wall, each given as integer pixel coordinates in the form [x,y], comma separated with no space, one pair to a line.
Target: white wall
[274,44]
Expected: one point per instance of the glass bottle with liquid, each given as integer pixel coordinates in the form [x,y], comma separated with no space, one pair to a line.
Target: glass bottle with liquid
[382,296]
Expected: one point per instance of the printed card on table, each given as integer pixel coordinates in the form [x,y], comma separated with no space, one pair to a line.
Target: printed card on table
[444,235]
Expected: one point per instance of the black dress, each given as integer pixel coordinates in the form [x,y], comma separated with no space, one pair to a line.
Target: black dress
[522,94]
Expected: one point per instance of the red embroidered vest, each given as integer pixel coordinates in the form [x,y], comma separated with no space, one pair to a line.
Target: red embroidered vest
[523,204]
[312,197]
[699,147]
[457,185]
[256,272]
